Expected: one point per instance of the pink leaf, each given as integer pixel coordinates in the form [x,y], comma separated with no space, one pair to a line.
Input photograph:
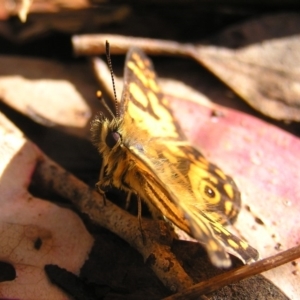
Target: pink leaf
[34,232]
[264,161]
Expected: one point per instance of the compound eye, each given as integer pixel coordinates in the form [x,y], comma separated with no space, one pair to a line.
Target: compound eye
[112,138]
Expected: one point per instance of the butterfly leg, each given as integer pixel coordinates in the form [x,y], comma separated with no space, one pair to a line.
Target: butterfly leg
[128,198]
[101,191]
[99,185]
[139,202]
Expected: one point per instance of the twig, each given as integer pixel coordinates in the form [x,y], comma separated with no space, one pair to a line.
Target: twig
[94,44]
[156,251]
[238,274]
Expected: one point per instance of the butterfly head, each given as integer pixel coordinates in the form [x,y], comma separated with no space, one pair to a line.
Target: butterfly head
[106,134]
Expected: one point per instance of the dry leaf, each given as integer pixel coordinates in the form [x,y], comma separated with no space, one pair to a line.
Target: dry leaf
[266,75]
[46,91]
[34,232]
[49,17]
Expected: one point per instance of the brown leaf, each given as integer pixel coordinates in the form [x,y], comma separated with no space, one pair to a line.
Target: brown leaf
[260,63]
[265,75]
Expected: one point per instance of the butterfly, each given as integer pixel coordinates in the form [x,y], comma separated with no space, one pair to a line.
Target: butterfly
[145,152]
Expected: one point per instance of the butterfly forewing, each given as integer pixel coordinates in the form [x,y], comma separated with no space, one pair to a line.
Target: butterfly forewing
[143,100]
[151,157]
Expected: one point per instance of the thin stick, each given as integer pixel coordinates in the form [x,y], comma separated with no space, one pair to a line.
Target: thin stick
[238,274]
[51,176]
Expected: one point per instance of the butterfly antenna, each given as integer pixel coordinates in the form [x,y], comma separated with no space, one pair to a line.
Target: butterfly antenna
[107,48]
